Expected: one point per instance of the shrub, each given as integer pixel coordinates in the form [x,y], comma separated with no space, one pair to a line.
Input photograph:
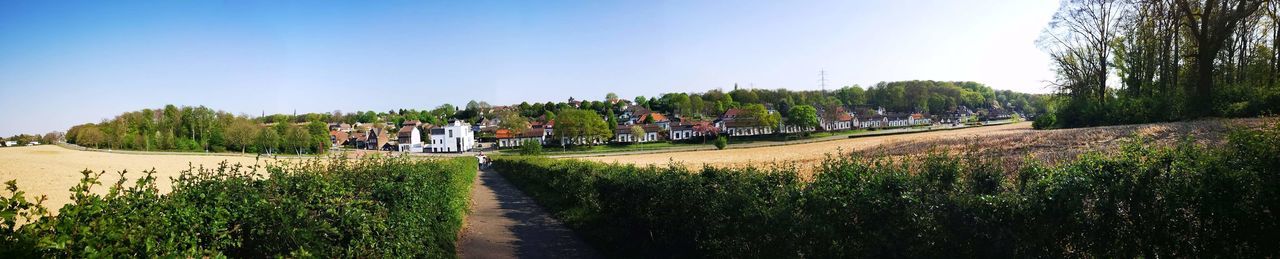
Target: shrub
[531,148]
[1143,201]
[721,142]
[372,207]
[1045,121]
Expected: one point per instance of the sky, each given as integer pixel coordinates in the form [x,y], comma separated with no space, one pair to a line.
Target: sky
[64,63]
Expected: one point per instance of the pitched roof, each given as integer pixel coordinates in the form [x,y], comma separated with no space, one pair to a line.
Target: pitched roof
[503,134]
[657,117]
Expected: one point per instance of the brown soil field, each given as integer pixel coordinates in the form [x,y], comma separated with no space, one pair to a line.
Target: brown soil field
[1006,141]
[52,170]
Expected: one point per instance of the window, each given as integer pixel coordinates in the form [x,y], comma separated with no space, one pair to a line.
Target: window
[450,133]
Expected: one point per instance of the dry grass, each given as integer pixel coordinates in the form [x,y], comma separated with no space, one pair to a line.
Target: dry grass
[52,171]
[1012,141]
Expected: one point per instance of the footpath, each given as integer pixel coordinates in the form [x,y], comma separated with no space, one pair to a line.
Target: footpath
[505,223]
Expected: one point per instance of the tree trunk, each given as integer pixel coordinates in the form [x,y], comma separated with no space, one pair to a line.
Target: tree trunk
[1204,81]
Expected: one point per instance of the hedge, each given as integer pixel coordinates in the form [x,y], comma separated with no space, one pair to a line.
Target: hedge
[1142,201]
[370,207]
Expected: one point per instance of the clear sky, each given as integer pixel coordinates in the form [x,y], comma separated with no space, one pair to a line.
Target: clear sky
[70,62]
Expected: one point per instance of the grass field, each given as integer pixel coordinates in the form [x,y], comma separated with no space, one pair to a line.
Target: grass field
[52,170]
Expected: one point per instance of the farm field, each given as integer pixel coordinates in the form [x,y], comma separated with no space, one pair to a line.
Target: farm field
[1010,141]
[52,170]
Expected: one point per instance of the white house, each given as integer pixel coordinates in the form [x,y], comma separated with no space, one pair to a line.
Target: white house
[691,129]
[623,134]
[507,139]
[734,126]
[453,137]
[10,143]
[410,139]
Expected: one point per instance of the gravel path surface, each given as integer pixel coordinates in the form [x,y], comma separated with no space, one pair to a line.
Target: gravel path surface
[504,223]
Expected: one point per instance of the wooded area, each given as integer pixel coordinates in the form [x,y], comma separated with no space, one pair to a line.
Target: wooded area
[1134,61]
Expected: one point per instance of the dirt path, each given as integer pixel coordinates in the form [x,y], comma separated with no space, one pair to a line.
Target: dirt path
[504,223]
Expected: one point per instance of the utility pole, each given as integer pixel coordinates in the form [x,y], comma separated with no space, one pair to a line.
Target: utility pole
[823,79]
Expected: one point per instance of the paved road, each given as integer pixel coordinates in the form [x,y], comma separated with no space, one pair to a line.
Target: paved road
[504,223]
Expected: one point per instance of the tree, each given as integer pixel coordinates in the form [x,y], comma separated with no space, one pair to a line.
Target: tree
[803,116]
[53,137]
[530,148]
[721,142]
[759,116]
[241,134]
[637,133]
[611,97]
[1210,23]
[91,136]
[268,140]
[581,127]
[297,139]
[512,121]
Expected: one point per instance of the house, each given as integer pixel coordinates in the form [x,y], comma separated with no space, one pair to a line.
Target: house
[338,138]
[410,139]
[10,143]
[374,139]
[692,129]
[632,114]
[656,118]
[343,127]
[841,121]
[507,139]
[731,124]
[453,137]
[623,134]
[784,128]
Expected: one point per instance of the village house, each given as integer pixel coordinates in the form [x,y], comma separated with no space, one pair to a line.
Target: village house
[338,138]
[657,118]
[788,129]
[842,121]
[10,143]
[410,139]
[732,125]
[623,134]
[506,139]
[456,136]
[691,129]
[374,139]
[632,115]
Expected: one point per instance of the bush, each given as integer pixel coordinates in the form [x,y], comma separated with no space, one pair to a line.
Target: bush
[373,207]
[1045,121]
[1186,201]
[721,142]
[531,148]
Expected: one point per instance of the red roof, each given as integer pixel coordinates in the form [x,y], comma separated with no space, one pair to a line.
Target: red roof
[503,133]
[657,117]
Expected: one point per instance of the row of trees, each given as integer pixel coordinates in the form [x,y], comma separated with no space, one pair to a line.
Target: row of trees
[1129,61]
[201,129]
[24,139]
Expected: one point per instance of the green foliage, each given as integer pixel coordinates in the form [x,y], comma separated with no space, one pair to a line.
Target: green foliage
[759,116]
[530,148]
[373,207]
[581,127]
[721,142]
[803,116]
[1046,121]
[1185,201]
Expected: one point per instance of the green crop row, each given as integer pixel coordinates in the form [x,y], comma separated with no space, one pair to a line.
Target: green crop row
[369,207]
[1142,201]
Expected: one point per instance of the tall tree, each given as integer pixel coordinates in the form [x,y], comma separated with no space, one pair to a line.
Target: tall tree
[1210,23]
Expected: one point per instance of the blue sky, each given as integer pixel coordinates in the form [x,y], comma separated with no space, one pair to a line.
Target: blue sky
[69,62]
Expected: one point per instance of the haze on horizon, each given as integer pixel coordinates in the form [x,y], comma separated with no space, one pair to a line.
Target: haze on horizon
[69,62]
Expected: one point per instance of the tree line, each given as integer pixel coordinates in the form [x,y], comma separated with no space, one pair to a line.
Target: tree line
[1133,61]
[202,129]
